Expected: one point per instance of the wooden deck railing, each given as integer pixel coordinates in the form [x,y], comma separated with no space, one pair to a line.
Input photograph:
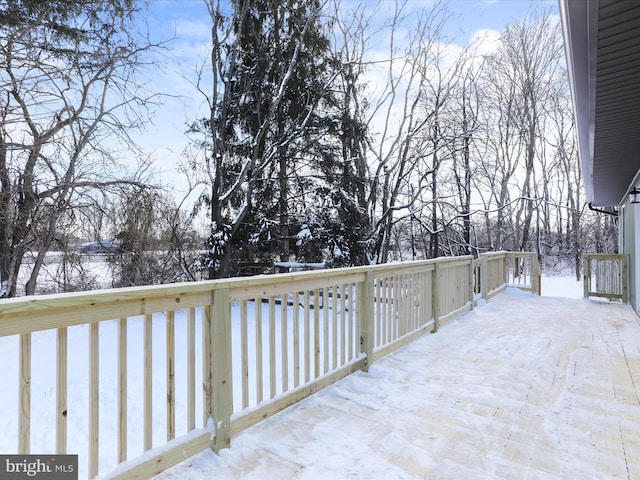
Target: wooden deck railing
[255,345]
[497,270]
[606,275]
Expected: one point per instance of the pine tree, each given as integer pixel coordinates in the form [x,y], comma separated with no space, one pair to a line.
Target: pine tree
[271,114]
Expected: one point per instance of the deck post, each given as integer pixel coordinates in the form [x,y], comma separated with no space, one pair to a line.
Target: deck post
[586,275]
[435,296]
[472,296]
[536,274]
[366,318]
[506,264]
[625,277]
[484,277]
[221,398]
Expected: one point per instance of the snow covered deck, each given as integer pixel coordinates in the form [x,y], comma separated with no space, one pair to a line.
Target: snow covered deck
[522,387]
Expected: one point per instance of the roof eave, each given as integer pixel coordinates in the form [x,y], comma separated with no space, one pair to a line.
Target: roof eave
[579,26]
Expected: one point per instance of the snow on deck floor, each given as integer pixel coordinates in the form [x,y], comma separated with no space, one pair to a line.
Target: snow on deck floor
[524,387]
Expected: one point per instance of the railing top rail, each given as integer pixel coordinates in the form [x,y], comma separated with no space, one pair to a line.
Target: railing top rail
[520,254]
[504,253]
[42,312]
[93,297]
[606,256]
[499,253]
[416,264]
[124,295]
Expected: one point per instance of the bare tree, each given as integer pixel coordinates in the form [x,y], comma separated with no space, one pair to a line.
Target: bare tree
[155,241]
[403,114]
[461,149]
[569,202]
[519,79]
[67,84]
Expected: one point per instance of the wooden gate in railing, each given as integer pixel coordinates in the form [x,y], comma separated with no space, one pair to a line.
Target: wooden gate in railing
[606,275]
[121,369]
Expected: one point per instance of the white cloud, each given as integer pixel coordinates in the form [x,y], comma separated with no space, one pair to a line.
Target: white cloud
[486,41]
[193,29]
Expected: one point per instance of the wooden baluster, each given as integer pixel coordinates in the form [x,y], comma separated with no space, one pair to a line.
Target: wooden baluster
[61,391]
[296,339]
[244,353]
[171,376]
[24,440]
[191,368]
[307,339]
[122,390]
[284,341]
[259,369]
[94,397]
[272,347]
[148,382]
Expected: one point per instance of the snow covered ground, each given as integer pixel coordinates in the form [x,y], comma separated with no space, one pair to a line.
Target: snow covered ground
[561,286]
[43,391]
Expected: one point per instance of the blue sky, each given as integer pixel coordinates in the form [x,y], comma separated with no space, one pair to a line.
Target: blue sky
[496,14]
[187,23]
[470,14]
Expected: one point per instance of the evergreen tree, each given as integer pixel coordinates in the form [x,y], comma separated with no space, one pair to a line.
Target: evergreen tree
[273,114]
